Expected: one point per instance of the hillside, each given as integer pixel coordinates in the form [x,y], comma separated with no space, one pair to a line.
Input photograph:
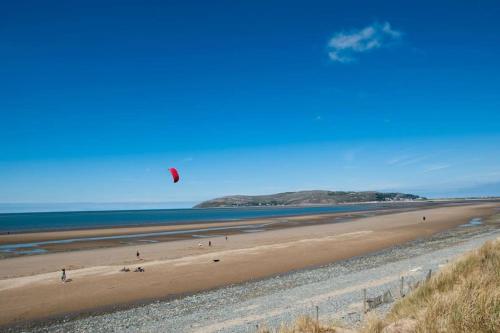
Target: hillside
[302,198]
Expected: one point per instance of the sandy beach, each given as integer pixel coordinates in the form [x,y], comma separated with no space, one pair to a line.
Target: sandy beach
[30,287]
[269,222]
[29,243]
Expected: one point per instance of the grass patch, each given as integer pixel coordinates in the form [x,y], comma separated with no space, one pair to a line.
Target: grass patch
[304,324]
[463,297]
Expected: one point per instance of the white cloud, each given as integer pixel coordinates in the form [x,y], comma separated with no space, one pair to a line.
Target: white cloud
[397,159]
[405,160]
[343,45]
[436,167]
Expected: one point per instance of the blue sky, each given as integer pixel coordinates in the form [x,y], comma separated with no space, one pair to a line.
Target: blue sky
[98,99]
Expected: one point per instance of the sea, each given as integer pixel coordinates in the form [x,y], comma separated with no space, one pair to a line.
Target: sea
[47,221]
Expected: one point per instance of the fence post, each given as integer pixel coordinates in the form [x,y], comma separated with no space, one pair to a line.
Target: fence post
[364,300]
[429,275]
[401,287]
[317,315]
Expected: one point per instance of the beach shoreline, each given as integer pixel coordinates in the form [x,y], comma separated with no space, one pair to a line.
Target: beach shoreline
[377,206]
[178,231]
[31,289]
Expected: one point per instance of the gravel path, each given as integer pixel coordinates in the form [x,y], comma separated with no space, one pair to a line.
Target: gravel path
[337,290]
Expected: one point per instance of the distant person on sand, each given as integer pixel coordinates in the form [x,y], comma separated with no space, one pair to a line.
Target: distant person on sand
[209,243]
[226,237]
[423,218]
[63,276]
[138,254]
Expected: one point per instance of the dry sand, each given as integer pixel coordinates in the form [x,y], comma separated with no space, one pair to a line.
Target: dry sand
[30,288]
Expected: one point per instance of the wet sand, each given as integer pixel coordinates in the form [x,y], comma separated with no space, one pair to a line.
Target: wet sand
[33,243]
[30,288]
[59,241]
[25,237]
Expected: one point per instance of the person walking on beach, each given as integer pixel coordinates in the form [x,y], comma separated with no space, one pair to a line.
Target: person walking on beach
[209,243]
[423,218]
[63,275]
[138,255]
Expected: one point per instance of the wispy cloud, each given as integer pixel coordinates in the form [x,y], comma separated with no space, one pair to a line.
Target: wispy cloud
[436,167]
[397,159]
[344,45]
[406,160]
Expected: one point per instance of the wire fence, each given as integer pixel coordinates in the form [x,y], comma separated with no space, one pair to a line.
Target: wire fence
[407,284]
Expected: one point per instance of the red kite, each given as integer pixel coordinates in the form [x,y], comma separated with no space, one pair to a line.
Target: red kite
[175,174]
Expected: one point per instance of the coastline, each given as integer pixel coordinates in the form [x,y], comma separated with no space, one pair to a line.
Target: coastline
[64,234]
[376,206]
[168,219]
[125,230]
[30,288]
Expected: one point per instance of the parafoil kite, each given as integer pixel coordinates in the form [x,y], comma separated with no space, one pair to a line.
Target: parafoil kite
[175,174]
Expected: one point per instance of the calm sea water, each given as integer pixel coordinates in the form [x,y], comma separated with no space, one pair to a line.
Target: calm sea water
[14,222]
